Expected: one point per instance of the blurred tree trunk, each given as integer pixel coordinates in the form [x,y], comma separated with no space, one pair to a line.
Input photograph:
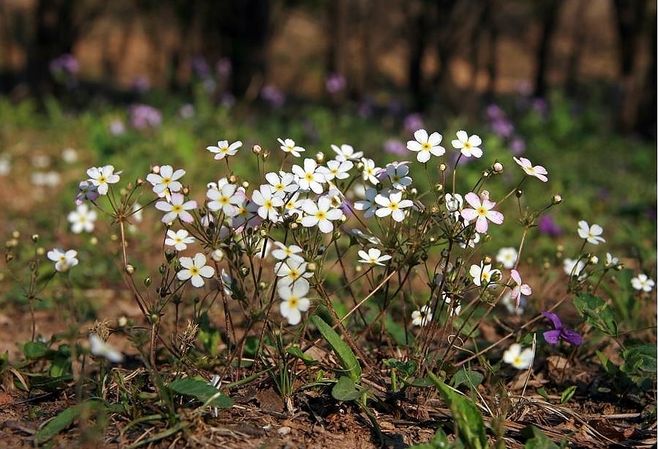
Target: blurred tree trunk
[646,108]
[577,44]
[549,11]
[337,26]
[54,35]
[630,16]
[419,26]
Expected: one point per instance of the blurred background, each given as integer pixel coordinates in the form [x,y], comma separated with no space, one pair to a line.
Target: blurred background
[569,84]
[450,56]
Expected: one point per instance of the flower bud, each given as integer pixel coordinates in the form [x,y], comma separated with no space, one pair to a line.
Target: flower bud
[155,169]
[232,179]
[557,199]
[497,168]
[438,187]
[519,193]
[122,321]
[129,269]
[35,238]
[147,281]
[486,260]
[319,157]
[162,269]
[139,181]
[244,271]
[169,254]
[217,255]
[15,234]
[41,251]
[443,167]
[93,241]
[256,149]
[245,184]
[186,190]
[594,260]
[311,266]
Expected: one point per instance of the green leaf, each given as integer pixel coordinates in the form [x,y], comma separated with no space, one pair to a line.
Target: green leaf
[466,377]
[64,419]
[297,352]
[344,352]
[567,394]
[60,422]
[596,313]
[202,391]
[537,439]
[468,420]
[639,358]
[541,391]
[345,390]
[35,349]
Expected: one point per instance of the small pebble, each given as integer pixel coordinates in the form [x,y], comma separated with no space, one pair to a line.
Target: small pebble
[284,430]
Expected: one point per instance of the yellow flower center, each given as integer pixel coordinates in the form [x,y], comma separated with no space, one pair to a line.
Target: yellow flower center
[293,302]
[177,208]
[481,211]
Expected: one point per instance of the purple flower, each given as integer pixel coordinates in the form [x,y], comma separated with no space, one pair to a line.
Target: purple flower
[200,67]
[365,108]
[517,145]
[548,226]
[144,116]
[559,332]
[395,146]
[494,112]
[117,127]
[413,122]
[540,106]
[65,64]
[502,127]
[224,67]
[141,84]
[273,96]
[335,83]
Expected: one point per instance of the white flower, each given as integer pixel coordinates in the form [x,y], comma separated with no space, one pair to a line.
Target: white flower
[374,256]
[63,259]
[137,213]
[283,252]
[507,257]
[346,153]
[102,349]
[574,267]
[223,149]
[288,146]
[69,155]
[392,205]
[166,181]
[336,170]
[642,283]
[294,302]
[292,272]
[227,283]
[177,208]
[225,197]
[469,146]
[293,205]
[368,205]
[482,274]
[46,179]
[510,304]
[590,233]
[179,239]
[267,201]
[482,210]
[455,308]
[473,240]
[519,288]
[309,177]
[370,171]
[426,145]
[537,171]
[82,219]
[519,359]
[397,173]
[421,317]
[247,215]
[321,215]
[102,177]
[454,202]
[282,183]
[195,269]
[5,165]
[610,260]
